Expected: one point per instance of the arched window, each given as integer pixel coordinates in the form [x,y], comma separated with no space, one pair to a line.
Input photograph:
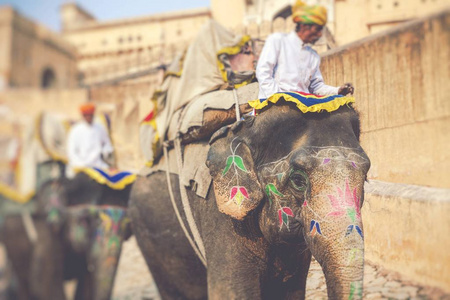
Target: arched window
[48,79]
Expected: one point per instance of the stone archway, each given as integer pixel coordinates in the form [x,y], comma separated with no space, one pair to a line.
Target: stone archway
[48,79]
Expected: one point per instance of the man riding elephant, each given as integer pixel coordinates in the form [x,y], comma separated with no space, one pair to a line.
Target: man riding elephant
[288,64]
[88,144]
[86,216]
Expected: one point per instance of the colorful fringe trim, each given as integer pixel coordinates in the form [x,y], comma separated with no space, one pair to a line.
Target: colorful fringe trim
[306,102]
[10,194]
[117,181]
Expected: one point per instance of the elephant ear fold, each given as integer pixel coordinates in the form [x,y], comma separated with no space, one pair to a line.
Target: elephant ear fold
[236,186]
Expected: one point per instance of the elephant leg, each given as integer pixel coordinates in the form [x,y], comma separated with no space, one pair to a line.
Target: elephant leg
[18,249]
[47,278]
[237,261]
[234,273]
[84,286]
[177,271]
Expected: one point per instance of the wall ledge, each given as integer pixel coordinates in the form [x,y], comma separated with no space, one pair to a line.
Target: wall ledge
[397,29]
[408,191]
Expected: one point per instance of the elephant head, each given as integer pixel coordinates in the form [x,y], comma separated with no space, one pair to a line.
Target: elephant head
[52,201]
[92,226]
[96,233]
[300,177]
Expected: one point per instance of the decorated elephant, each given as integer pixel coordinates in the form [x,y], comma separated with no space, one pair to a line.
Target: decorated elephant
[80,227]
[287,184]
[29,165]
[86,225]
[53,228]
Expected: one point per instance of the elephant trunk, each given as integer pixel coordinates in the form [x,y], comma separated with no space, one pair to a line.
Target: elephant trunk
[344,281]
[105,267]
[334,234]
[341,257]
[106,250]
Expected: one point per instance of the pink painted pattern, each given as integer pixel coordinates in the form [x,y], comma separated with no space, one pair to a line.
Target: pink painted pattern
[345,202]
[238,194]
[283,214]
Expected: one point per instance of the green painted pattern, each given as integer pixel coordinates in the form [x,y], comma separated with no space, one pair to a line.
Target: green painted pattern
[234,160]
[270,190]
[351,212]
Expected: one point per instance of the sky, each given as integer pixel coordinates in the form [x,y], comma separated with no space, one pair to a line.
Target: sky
[47,11]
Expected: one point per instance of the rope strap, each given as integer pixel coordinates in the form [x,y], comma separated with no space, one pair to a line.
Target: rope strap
[30,228]
[236,101]
[196,242]
[186,205]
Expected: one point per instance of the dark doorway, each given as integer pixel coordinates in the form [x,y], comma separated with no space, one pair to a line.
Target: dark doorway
[48,80]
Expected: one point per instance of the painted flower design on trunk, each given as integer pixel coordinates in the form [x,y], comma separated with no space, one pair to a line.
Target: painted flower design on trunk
[356,289]
[283,216]
[345,202]
[314,228]
[113,223]
[356,227]
[356,256]
[238,194]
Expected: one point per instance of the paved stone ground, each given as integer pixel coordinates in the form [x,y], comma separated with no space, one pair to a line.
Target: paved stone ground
[134,282]
[378,284]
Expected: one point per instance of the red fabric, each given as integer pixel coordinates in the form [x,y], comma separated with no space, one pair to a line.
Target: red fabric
[149,116]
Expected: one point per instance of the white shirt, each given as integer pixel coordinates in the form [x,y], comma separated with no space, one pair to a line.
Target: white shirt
[286,64]
[85,145]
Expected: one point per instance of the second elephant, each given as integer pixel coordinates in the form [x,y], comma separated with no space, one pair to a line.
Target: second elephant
[80,228]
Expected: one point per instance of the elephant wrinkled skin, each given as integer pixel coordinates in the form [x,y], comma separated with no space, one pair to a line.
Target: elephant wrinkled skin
[287,186]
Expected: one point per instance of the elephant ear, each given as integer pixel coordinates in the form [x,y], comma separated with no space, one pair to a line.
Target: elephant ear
[236,185]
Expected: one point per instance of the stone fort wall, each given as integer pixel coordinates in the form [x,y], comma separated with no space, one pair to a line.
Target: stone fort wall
[31,56]
[401,79]
[402,94]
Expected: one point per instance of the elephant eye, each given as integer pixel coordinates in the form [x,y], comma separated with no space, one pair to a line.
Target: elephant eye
[299,180]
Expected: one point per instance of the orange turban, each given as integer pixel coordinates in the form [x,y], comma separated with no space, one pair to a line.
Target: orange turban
[87,108]
[309,14]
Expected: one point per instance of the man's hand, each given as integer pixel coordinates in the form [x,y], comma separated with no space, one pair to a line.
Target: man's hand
[346,89]
[113,170]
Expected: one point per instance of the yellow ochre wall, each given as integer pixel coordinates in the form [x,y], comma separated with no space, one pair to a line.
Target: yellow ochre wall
[27,49]
[401,80]
[401,90]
